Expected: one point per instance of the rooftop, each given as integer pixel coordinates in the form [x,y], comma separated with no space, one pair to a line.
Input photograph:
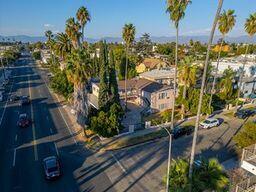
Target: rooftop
[158,74]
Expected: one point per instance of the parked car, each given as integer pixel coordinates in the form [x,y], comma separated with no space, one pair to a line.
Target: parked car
[23,121]
[14,98]
[24,100]
[209,123]
[243,113]
[182,130]
[5,82]
[51,167]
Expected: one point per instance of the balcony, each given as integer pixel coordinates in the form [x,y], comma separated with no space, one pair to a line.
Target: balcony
[248,161]
[248,185]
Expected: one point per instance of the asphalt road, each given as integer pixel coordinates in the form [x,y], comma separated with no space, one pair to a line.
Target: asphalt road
[22,150]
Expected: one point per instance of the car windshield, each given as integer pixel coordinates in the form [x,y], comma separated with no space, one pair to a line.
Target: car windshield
[51,165]
[207,121]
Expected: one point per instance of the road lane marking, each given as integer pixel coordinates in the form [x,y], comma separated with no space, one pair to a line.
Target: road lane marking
[33,125]
[118,162]
[14,158]
[70,132]
[56,148]
[47,118]
[16,137]
[51,131]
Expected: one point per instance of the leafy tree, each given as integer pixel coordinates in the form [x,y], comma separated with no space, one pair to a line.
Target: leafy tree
[144,46]
[103,87]
[131,69]
[246,136]
[60,84]
[128,36]
[113,86]
[36,55]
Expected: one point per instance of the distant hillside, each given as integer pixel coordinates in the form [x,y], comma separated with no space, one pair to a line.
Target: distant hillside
[163,39]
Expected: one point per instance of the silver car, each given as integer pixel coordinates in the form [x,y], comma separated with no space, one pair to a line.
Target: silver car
[209,123]
[51,167]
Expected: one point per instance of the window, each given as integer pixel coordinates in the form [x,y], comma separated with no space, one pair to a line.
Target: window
[162,95]
[162,106]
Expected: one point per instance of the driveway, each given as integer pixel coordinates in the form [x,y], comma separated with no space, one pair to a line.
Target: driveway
[132,117]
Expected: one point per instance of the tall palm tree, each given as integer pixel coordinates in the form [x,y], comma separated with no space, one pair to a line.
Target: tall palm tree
[128,37]
[226,84]
[202,89]
[250,28]
[63,45]
[176,10]
[187,77]
[83,17]
[78,72]
[73,32]
[225,24]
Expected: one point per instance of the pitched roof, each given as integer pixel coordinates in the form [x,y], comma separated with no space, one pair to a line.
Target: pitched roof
[152,62]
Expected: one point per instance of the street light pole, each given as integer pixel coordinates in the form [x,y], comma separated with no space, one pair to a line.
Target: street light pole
[169,158]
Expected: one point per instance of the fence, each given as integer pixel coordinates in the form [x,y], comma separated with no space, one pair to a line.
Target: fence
[248,185]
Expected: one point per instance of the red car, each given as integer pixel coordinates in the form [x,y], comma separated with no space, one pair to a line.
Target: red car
[23,121]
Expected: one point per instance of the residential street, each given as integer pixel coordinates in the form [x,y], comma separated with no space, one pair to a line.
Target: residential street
[23,149]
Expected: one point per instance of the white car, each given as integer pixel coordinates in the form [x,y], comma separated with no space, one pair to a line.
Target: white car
[209,123]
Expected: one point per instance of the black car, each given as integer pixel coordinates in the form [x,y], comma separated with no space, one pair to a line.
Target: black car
[14,98]
[23,121]
[180,131]
[244,113]
[51,167]
[24,100]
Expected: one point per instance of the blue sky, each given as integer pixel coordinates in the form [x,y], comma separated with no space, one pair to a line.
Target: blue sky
[33,17]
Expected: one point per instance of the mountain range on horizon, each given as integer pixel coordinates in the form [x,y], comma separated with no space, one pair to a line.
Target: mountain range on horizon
[155,39]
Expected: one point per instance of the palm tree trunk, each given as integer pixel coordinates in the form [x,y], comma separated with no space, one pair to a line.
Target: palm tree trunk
[125,81]
[241,78]
[184,97]
[175,77]
[80,103]
[216,73]
[202,91]
[82,34]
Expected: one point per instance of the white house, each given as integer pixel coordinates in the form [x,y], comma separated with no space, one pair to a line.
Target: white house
[236,63]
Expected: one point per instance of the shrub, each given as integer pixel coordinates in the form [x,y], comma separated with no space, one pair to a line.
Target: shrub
[36,55]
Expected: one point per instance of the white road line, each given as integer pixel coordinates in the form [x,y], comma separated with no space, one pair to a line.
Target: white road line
[70,132]
[5,105]
[33,125]
[51,131]
[14,158]
[118,162]
[16,137]
[56,148]
[47,118]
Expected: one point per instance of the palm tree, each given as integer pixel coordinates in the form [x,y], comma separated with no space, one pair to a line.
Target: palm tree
[73,32]
[176,10]
[209,176]
[63,45]
[83,17]
[202,89]
[187,77]
[128,37]
[48,34]
[78,72]
[225,24]
[250,28]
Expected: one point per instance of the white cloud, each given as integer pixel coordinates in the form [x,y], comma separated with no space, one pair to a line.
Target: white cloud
[47,25]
